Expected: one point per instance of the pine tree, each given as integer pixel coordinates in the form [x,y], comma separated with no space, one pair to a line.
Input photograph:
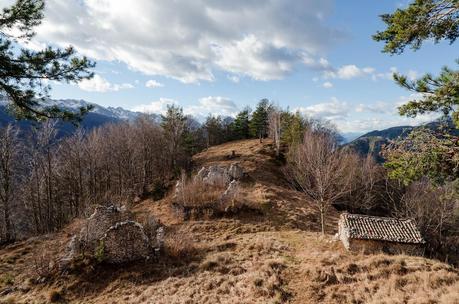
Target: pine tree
[259,123]
[240,126]
[409,27]
[25,74]
[293,126]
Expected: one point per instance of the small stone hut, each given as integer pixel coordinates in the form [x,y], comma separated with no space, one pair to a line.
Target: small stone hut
[372,234]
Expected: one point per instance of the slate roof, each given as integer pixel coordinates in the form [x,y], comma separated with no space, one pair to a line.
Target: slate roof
[389,229]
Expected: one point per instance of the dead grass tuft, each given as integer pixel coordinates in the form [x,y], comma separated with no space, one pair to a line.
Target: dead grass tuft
[55,296]
[178,245]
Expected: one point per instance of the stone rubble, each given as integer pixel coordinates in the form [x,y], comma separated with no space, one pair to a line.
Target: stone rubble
[108,232]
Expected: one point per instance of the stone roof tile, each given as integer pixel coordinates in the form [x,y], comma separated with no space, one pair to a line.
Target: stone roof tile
[367,227]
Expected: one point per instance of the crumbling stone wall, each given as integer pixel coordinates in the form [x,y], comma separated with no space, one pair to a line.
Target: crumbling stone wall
[109,236]
[125,242]
[99,222]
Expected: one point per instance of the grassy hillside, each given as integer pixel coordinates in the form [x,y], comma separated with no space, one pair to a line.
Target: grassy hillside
[271,253]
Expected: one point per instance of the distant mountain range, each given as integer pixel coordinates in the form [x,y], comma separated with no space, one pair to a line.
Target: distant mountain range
[97,117]
[373,142]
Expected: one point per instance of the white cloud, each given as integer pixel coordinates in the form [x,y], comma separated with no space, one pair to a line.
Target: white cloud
[234,78]
[381,123]
[348,72]
[327,85]
[331,110]
[190,40]
[101,85]
[379,107]
[386,76]
[215,105]
[153,84]
[156,107]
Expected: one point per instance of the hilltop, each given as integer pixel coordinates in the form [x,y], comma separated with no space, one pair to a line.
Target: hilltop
[269,253]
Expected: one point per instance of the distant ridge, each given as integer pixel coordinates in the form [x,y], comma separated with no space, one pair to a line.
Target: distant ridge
[373,142]
[97,117]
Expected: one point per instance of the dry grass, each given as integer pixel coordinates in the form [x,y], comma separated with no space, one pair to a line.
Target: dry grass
[198,200]
[196,193]
[44,264]
[383,279]
[178,245]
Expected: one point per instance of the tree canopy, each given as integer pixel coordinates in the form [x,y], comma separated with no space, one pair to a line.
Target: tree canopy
[25,75]
[422,20]
[424,153]
[409,27]
[259,123]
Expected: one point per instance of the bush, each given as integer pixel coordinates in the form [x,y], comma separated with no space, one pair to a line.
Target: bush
[196,199]
[100,252]
[43,264]
[197,193]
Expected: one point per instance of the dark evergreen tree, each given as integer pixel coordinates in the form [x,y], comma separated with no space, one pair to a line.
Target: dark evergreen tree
[259,123]
[240,126]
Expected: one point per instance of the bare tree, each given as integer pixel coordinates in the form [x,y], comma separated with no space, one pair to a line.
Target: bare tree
[433,207]
[368,185]
[319,169]
[9,151]
[274,124]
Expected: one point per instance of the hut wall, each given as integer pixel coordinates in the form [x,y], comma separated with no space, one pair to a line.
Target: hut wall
[373,246]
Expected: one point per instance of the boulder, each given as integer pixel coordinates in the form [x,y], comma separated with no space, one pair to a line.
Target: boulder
[236,172]
[125,242]
[202,173]
[232,189]
[178,189]
[217,175]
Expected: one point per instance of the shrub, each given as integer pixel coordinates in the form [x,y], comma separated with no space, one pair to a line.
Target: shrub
[196,198]
[100,252]
[150,226]
[43,263]
[196,193]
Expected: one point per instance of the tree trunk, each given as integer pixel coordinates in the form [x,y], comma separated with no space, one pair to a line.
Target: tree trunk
[322,221]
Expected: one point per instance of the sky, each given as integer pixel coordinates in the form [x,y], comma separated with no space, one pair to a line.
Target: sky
[218,56]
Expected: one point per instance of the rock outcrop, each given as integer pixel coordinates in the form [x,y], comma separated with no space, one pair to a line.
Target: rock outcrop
[214,174]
